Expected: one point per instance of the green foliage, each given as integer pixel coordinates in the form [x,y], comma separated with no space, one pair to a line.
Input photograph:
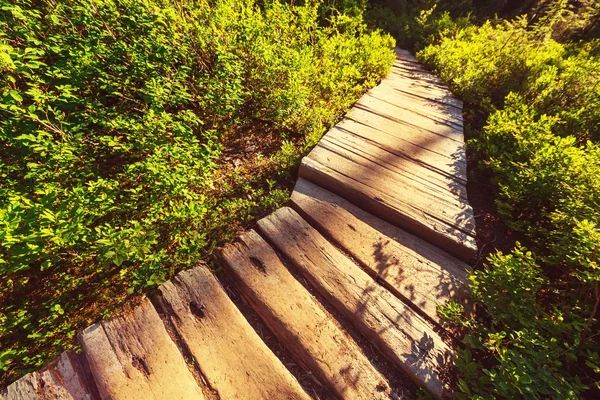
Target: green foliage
[416,23]
[537,337]
[527,350]
[112,115]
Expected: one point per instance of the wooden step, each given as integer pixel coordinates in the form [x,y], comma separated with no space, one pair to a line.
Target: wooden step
[392,107]
[26,388]
[418,272]
[403,83]
[384,194]
[423,106]
[299,322]
[231,356]
[397,331]
[425,176]
[415,144]
[371,106]
[399,154]
[62,379]
[133,357]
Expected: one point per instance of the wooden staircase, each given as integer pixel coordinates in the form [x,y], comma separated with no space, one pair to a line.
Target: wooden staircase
[377,227]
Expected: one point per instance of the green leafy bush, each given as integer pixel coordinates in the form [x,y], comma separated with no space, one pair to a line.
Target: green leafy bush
[537,333]
[112,119]
[523,348]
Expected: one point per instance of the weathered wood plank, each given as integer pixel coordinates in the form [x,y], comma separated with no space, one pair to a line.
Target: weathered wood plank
[405,54]
[413,269]
[62,379]
[299,322]
[430,106]
[438,179]
[436,202]
[387,204]
[133,357]
[65,379]
[422,94]
[26,388]
[406,129]
[381,176]
[232,357]
[421,119]
[416,75]
[416,144]
[397,331]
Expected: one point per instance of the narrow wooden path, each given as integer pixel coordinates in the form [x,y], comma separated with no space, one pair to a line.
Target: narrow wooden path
[377,232]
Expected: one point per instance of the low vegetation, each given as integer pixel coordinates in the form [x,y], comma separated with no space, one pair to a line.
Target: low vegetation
[137,135]
[534,83]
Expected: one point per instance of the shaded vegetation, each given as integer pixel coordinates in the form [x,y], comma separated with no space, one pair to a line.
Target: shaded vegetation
[118,126]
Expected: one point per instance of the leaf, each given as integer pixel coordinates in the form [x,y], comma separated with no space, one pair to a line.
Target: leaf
[45,265]
[15,95]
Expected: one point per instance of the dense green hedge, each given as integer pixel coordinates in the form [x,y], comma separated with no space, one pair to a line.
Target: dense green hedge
[111,119]
[537,335]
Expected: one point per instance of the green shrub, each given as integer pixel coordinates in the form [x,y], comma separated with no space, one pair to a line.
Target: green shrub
[416,24]
[527,345]
[536,336]
[112,115]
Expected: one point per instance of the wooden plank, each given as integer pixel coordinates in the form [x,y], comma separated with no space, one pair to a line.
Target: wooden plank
[415,144]
[379,174]
[232,357]
[299,322]
[407,130]
[439,179]
[65,379]
[409,192]
[405,54]
[133,357]
[26,388]
[420,92]
[413,269]
[421,105]
[397,331]
[421,119]
[62,379]
[402,212]
[417,75]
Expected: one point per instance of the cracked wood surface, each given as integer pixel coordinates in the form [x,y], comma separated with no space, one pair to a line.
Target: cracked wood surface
[299,322]
[62,379]
[133,357]
[399,153]
[413,269]
[232,357]
[392,326]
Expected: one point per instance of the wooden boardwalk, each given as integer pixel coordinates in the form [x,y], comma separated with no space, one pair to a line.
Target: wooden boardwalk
[378,232]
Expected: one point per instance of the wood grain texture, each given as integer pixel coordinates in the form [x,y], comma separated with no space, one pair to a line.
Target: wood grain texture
[428,118]
[415,144]
[133,357]
[62,379]
[26,388]
[399,153]
[433,178]
[413,269]
[397,331]
[232,357]
[299,322]
[380,192]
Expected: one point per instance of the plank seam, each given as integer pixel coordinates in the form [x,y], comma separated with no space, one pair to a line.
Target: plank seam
[347,327]
[165,313]
[378,279]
